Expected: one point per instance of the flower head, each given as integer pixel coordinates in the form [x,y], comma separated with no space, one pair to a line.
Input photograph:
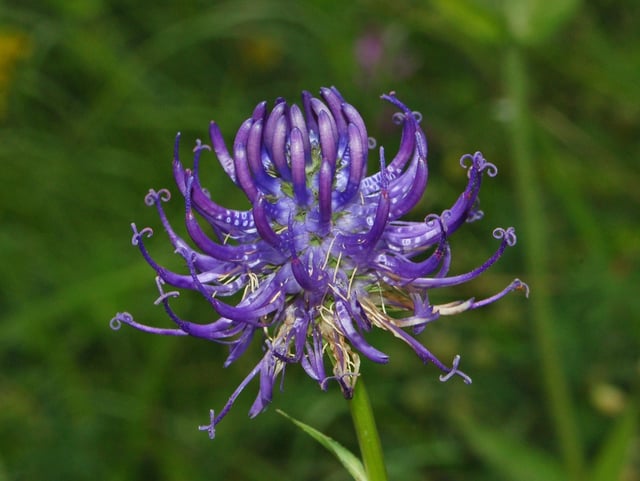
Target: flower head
[323,255]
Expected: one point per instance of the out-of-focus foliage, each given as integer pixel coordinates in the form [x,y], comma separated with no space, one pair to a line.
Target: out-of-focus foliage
[92,94]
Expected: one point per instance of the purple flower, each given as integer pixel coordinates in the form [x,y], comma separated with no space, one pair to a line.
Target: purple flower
[323,256]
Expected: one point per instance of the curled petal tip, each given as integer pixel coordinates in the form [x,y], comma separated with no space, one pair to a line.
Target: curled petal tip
[454,371]
[166,295]
[508,234]
[200,146]
[116,322]
[521,286]
[154,196]
[211,427]
[137,235]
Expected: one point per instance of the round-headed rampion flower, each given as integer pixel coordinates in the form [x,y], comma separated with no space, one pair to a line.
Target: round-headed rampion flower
[323,255]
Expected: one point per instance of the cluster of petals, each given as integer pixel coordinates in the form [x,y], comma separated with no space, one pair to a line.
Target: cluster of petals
[323,255]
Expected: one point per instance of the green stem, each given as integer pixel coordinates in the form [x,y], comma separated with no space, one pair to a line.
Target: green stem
[368,439]
[534,236]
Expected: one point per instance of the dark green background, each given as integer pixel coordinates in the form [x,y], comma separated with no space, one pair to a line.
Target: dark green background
[92,93]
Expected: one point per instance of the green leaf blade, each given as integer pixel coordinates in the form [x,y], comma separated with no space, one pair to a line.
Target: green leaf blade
[350,462]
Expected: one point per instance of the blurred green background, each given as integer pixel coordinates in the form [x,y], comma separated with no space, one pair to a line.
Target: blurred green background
[92,93]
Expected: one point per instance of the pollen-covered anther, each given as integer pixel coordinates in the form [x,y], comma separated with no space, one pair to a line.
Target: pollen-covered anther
[454,307]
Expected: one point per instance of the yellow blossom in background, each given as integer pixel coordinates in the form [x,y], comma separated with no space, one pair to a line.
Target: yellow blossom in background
[13,47]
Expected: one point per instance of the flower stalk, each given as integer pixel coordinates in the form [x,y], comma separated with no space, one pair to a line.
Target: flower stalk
[367,433]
